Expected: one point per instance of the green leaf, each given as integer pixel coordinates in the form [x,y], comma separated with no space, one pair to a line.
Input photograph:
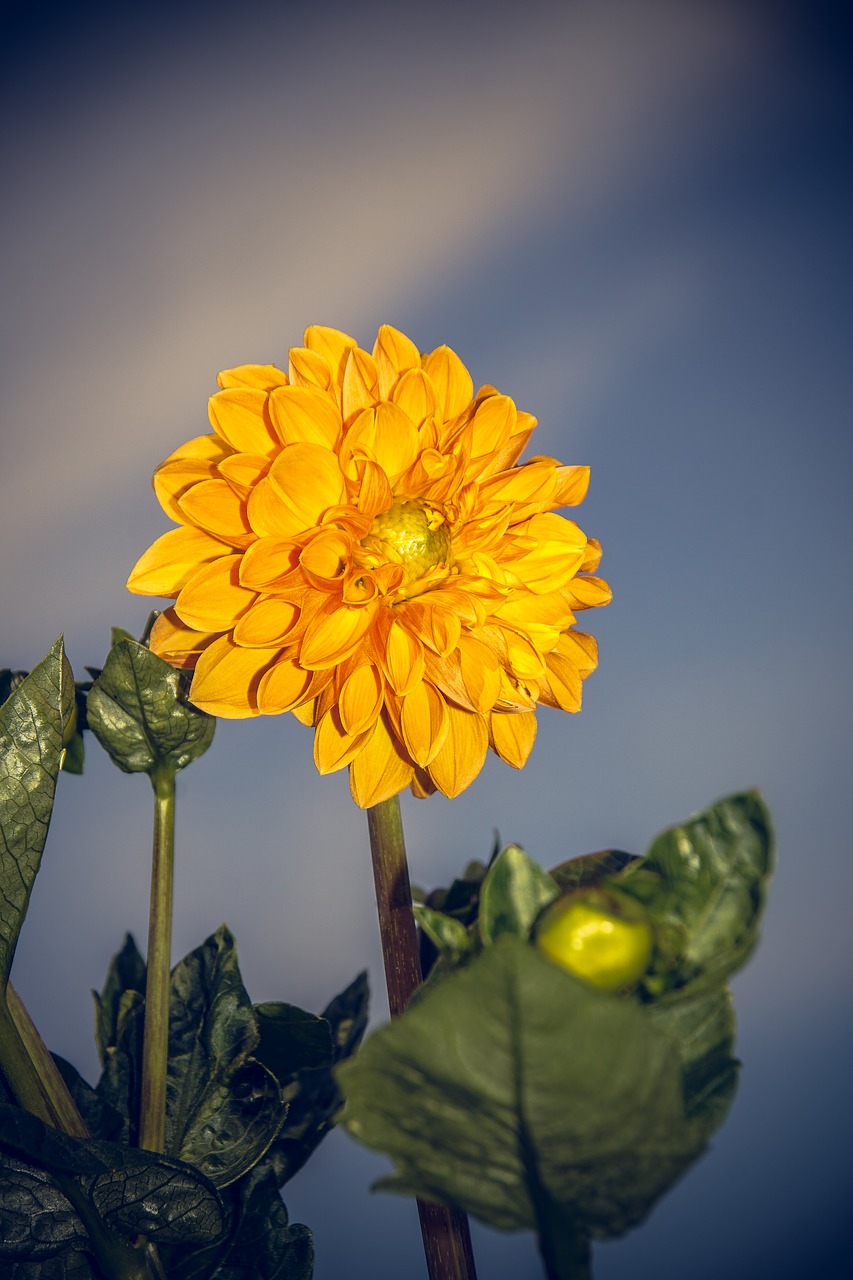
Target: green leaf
[138,711]
[32,722]
[95,1190]
[292,1040]
[513,893]
[590,869]
[516,1092]
[448,936]
[314,1098]
[702,1029]
[705,881]
[126,974]
[223,1108]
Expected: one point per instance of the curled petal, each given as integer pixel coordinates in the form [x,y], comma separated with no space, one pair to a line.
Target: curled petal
[167,565]
[227,677]
[213,597]
[305,415]
[333,344]
[394,353]
[424,722]
[263,377]
[282,687]
[513,735]
[239,416]
[381,768]
[463,754]
[451,380]
[361,698]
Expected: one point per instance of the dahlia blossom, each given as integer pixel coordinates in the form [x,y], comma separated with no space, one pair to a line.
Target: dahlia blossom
[357,544]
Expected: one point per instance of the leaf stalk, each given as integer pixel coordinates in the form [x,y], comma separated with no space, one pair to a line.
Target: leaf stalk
[155,1050]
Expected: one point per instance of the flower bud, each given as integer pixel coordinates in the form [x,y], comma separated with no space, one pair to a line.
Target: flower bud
[600,935]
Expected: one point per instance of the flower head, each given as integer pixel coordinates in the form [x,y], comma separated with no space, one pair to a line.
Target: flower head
[358,545]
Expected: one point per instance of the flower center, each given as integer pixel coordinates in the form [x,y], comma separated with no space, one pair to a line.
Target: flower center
[413,534]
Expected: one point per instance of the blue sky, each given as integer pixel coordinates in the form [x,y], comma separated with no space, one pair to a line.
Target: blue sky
[635,219]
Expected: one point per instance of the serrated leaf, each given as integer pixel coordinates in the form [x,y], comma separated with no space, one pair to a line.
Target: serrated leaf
[513,893]
[292,1040]
[223,1109]
[706,880]
[32,722]
[511,1088]
[138,711]
[590,869]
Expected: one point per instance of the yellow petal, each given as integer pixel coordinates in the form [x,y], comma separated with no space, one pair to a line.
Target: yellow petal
[305,415]
[451,380]
[334,748]
[572,485]
[380,769]
[422,785]
[415,395]
[463,754]
[213,599]
[404,658]
[374,491]
[564,682]
[424,722]
[491,426]
[267,623]
[555,556]
[327,557]
[283,687]
[361,384]
[586,593]
[194,461]
[333,637]
[308,480]
[269,515]
[239,416]
[262,376]
[331,343]
[307,368]
[213,506]
[227,677]
[394,353]
[243,471]
[176,643]
[580,649]
[361,698]
[480,671]
[592,556]
[167,565]
[267,561]
[513,736]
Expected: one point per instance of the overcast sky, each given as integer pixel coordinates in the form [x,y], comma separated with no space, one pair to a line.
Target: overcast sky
[635,219]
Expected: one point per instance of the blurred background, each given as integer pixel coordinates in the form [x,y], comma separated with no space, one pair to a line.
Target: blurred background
[633,216]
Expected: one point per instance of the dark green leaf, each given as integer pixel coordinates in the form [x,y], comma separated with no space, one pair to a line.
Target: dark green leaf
[260,1245]
[223,1109]
[131,1191]
[32,722]
[513,893]
[127,973]
[292,1040]
[9,682]
[511,1088]
[117,634]
[590,869]
[314,1097]
[121,1079]
[705,881]
[138,711]
[102,1120]
[702,1028]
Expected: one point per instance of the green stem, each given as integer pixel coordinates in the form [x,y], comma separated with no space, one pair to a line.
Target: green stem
[446,1237]
[155,1050]
[565,1250]
[57,1107]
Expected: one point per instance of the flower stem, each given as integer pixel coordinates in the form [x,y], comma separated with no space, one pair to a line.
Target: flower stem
[155,1050]
[447,1240]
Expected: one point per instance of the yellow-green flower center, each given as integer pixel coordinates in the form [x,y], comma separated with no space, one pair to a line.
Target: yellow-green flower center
[413,534]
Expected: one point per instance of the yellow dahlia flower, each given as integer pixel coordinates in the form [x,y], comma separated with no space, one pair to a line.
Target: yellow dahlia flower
[358,545]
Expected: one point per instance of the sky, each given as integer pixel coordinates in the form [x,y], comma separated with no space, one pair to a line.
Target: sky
[632,216]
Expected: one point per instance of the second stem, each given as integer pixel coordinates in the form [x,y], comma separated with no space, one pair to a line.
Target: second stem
[155,1050]
[446,1237]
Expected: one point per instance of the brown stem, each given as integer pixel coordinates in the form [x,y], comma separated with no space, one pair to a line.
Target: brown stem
[446,1237]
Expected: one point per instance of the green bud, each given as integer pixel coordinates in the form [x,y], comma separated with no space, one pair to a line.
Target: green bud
[599,935]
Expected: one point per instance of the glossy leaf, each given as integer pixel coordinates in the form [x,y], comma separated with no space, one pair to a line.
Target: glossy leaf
[513,893]
[448,936]
[32,721]
[223,1108]
[138,711]
[58,1190]
[516,1092]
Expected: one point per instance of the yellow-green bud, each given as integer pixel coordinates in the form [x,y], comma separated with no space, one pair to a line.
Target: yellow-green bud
[599,935]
